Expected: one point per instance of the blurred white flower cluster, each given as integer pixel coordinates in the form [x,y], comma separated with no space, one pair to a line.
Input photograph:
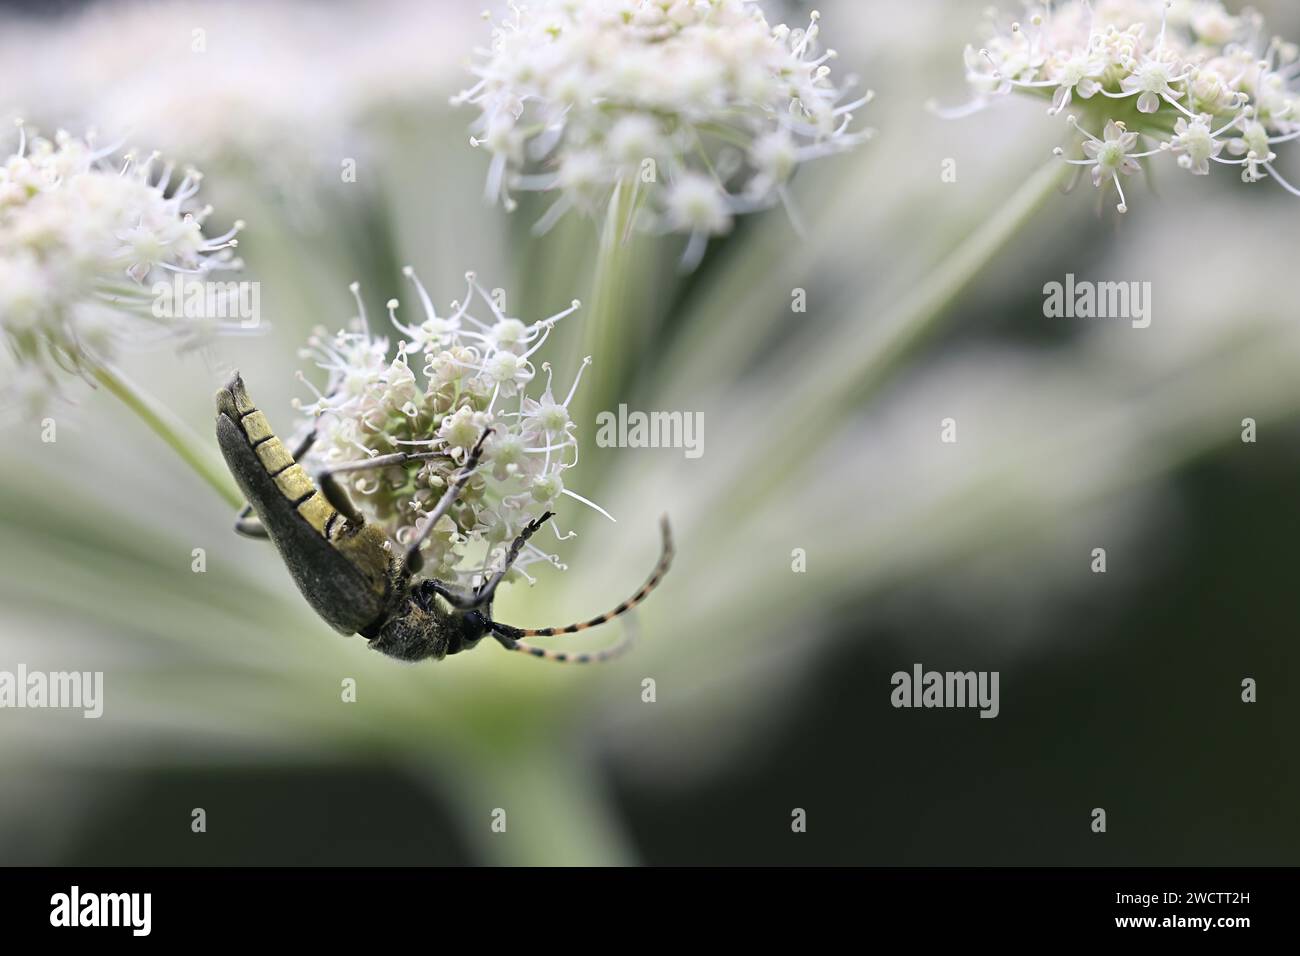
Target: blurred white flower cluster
[80,242]
[473,374]
[1143,77]
[578,96]
[237,87]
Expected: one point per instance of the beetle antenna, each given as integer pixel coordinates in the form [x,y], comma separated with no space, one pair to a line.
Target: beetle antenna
[509,636]
[585,657]
[488,589]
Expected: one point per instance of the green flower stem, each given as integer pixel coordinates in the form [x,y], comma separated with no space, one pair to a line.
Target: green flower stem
[846,376]
[605,321]
[172,431]
[555,813]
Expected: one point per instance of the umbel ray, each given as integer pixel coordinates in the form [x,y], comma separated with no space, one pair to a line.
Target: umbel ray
[347,569]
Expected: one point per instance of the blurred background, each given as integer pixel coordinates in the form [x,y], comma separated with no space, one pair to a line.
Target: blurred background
[1118,690]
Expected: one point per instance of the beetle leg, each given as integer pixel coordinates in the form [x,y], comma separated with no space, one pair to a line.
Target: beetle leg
[338,498]
[458,599]
[249,525]
[337,495]
[414,560]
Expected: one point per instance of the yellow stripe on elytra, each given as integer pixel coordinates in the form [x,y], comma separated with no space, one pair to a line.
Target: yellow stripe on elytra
[256,427]
[317,511]
[294,483]
[275,457]
[291,478]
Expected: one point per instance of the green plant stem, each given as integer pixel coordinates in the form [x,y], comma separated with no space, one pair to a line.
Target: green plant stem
[845,376]
[605,321]
[555,814]
[172,431]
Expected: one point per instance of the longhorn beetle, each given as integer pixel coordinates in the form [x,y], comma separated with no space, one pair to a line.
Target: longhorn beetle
[347,569]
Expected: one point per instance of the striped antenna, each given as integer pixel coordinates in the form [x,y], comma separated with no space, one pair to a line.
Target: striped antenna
[585,657]
[513,633]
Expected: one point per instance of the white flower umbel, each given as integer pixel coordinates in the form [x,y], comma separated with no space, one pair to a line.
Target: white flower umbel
[705,97]
[454,375]
[1151,76]
[81,244]
[83,239]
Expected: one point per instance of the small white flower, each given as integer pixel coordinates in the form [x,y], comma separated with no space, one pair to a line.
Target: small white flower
[546,488]
[774,156]
[1151,79]
[695,206]
[508,369]
[1212,24]
[1195,144]
[1255,146]
[545,419]
[509,334]
[1078,74]
[1110,157]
